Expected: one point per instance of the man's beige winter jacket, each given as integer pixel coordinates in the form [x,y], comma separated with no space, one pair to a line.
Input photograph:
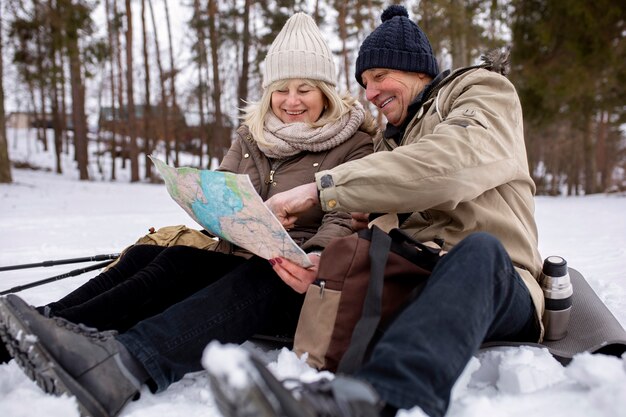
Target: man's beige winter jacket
[461,167]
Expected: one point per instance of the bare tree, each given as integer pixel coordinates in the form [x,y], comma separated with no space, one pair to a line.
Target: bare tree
[201,58]
[147,113]
[219,142]
[62,64]
[245,59]
[163,104]
[132,123]
[73,18]
[120,82]
[343,37]
[5,163]
[54,52]
[112,34]
[42,131]
[172,77]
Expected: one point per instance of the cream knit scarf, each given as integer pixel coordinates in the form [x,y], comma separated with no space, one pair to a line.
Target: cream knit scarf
[285,140]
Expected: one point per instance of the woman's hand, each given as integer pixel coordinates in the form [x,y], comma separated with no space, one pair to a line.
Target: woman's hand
[294,275]
[359,221]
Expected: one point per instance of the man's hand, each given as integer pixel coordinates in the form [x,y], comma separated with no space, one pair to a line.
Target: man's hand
[294,275]
[359,221]
[289,204]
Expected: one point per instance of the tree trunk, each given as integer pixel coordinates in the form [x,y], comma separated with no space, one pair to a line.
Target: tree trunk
[174,104]
[119,124]
[57,124]
[343,36]
[147,112]
[43,128]
[5,163]
[458,39]
[132,124]
[202,62]
[245,57]
[64,118]
[78,104]
[219,142]
[602,163]
[34,109]
[588,153]
[163,105]
[111,33]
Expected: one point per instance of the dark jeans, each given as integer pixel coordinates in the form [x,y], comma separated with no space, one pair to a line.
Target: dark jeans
[250,299]
[146,280]
[474,295]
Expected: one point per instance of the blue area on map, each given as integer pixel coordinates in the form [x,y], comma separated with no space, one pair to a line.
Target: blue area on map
[222,201]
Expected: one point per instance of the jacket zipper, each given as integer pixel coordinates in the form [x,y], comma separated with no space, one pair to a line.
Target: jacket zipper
[274,167]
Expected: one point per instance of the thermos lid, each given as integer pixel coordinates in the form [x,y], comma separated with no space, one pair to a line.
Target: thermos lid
[554,266]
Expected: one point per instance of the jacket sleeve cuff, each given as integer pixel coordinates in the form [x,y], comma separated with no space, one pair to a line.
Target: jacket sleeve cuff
[327,191]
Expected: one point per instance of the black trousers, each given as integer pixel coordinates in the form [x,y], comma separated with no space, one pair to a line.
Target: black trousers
[146,280]
[249,300]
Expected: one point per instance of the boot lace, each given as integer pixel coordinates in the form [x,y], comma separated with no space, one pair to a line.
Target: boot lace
[83,330]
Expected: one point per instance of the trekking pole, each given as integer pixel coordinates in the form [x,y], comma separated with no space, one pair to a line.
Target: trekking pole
[57,277]
[95,258]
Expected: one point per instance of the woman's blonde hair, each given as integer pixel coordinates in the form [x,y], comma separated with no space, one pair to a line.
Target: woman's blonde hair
[335,107]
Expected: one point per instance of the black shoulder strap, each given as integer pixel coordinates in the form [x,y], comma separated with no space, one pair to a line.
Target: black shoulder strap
[372,307]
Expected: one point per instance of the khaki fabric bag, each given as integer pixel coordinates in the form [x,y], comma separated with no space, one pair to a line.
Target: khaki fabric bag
[174,235]
[178,235]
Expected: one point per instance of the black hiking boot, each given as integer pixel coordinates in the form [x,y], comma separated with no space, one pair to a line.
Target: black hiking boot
[66,358]
[251,390]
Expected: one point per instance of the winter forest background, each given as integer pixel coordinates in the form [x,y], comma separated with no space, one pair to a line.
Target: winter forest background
[161,76]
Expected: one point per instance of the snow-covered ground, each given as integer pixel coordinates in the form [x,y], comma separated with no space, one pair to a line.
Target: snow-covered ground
[44,216]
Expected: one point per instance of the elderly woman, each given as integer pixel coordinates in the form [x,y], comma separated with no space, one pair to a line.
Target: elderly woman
[169,303]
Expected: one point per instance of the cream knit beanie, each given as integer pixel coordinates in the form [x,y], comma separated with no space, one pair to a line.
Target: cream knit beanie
[299,51]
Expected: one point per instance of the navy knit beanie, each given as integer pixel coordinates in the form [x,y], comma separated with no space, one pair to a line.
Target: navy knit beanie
[398,43]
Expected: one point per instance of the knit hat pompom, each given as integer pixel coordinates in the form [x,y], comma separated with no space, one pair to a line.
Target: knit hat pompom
[398,43]
[392,11]
[299,51]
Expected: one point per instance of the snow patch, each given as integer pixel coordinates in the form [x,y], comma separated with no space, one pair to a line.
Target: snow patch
[227,362]
[591,371]
[289,365]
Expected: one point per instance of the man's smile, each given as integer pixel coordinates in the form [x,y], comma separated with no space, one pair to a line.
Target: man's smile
[384,103]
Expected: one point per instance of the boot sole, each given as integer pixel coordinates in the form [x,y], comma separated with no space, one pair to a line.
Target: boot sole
[250,401]
[264,396]
[39,365]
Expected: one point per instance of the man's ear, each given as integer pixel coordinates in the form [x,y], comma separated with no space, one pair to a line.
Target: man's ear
[424,76]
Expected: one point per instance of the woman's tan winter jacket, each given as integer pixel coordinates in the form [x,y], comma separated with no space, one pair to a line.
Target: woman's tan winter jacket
[461,167]
[314,228]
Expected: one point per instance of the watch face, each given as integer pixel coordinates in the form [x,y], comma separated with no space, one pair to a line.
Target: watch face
[326,181]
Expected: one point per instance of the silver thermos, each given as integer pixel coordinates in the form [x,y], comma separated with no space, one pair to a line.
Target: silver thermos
[557,291]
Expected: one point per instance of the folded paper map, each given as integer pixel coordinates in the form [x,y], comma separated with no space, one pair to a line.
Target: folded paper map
[228,206]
